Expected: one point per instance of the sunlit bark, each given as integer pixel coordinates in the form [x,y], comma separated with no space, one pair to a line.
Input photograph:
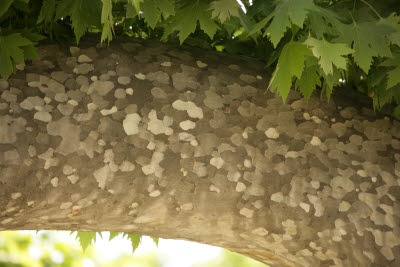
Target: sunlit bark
[180,143]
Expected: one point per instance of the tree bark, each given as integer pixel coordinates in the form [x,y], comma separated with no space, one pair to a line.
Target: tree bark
[179,143]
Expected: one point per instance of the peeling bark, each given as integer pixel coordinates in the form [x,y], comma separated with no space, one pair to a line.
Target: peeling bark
[177,143]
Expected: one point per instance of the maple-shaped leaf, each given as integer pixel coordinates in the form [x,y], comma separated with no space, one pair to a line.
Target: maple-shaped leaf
[83,13]
[290,63]
[185,21]
[135,240]
[153,9]
[107,20]
[223,9]
[329,54]
[394,74]
[12,52]
[368,41]
[286,13]
[309,80]
[85,238]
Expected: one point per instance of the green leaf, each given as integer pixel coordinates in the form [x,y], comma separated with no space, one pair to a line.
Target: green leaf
[368,41]
[155,239]
[257,27]
[324,21]
[86,238]
[135,240]
[131,11]
[47,11]
[392,21]
[385,96]
[21,5]
[153,9]
[396,111]
[185,21]
[265,7]
[330,81]
[136,5]
[113,235]
[12,49]
[223,9]
[394,74]
[84,14]
[166,7]
[151,13]
[4,5]
[246,23]
[34,37]
[290,63]
[393,77]
[308,81]
[329,54]
[107,20]
[394,38]
[29,52]
[287,12]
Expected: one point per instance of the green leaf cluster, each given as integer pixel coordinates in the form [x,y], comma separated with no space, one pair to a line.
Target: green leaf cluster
[84,14]
[186,19]
[87,238]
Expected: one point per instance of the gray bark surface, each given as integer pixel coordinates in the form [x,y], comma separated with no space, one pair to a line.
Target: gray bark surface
[178,143]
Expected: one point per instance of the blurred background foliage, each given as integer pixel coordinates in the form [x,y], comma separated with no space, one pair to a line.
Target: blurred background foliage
[23,250]
[45,249]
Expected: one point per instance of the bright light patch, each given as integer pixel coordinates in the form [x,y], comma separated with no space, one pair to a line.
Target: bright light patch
[242,6]
[35,252]
[57,257]
[184,253]
[86,262]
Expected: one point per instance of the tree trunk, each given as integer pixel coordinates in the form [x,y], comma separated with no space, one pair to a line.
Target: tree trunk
[178,143]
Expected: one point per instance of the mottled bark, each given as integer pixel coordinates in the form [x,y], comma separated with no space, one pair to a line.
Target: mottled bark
[174,143]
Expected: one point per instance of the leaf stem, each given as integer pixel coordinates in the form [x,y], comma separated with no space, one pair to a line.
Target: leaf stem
[351,15]
[371,7]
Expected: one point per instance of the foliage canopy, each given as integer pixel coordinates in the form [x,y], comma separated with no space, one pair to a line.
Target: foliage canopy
[310,44]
